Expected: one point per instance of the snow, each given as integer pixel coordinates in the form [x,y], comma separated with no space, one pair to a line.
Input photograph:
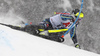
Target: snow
[91,7]
[17,43]
[66,4]
[79,2]
[10,18]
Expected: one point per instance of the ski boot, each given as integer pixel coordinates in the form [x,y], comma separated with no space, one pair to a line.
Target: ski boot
[77,46]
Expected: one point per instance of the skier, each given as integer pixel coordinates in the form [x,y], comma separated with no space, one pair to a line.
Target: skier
[59,21]
[62,21]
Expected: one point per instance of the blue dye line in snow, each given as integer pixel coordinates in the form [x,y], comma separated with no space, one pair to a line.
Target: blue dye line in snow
[1,31]
[6,40]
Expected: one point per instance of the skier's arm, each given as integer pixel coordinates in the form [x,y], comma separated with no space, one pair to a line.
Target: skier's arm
[78,21]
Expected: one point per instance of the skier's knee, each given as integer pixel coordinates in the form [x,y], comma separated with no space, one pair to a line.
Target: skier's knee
[45,23]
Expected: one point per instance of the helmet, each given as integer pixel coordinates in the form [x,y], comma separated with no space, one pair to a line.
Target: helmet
[76,13]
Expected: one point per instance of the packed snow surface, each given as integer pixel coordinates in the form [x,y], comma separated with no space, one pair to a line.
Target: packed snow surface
[18,43]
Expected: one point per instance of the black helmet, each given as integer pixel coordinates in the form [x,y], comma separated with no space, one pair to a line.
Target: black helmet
[75,11]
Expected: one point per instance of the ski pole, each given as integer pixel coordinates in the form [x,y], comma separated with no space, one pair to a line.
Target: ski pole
[75,20]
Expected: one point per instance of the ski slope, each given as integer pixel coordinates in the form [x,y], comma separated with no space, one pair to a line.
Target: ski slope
[17,43]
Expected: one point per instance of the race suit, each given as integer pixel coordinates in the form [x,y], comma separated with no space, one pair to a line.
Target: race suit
[56,22]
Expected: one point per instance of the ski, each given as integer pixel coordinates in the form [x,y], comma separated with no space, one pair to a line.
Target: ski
[36,30]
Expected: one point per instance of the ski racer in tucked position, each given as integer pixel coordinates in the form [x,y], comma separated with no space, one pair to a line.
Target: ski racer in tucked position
[54,26]
[64,21]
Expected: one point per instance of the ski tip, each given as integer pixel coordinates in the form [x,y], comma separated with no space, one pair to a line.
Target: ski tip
[26,23]
[54,12]
[30,22]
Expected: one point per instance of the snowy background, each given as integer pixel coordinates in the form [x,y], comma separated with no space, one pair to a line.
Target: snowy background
[19,12]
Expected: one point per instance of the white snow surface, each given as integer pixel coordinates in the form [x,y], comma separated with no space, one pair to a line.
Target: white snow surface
[17,43]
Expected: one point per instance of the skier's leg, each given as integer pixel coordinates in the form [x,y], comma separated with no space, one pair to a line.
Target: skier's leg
[74,37]
[46,24]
